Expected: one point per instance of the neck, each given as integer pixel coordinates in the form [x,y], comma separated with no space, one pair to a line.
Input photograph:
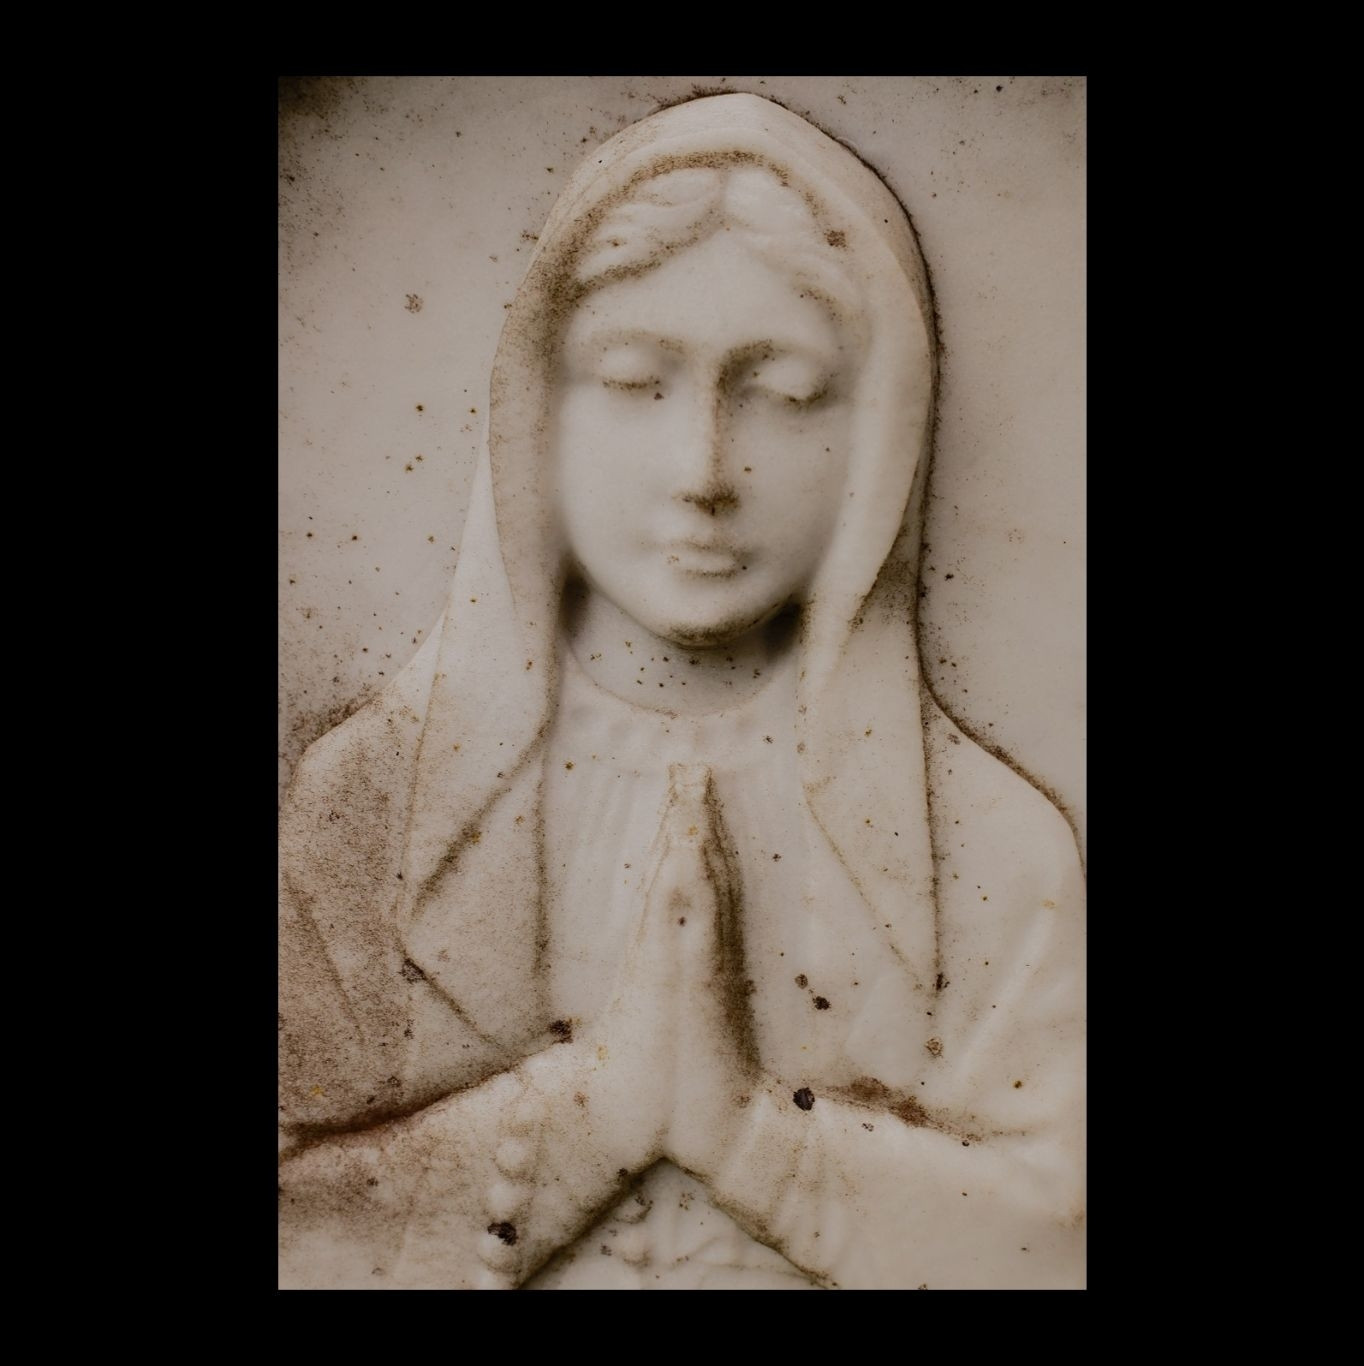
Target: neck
[648,670]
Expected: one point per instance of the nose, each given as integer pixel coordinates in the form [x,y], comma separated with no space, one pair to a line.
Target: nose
[703,479]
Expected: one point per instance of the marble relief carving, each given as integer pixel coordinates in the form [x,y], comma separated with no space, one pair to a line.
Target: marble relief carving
[655,927]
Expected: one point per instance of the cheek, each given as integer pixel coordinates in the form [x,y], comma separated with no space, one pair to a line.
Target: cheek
[601,474]
[797,463]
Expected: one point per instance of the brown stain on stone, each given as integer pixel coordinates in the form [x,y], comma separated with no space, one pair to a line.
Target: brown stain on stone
[875,1094]
[731,974]
[319,96]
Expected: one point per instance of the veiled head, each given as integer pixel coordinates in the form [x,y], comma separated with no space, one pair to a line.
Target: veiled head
[705,383]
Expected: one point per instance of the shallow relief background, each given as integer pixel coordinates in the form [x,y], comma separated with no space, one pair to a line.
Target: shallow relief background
[408,211]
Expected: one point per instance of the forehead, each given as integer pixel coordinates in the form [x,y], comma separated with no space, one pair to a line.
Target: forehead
[709,300]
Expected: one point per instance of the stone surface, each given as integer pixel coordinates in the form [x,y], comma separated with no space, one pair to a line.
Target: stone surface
[657,878]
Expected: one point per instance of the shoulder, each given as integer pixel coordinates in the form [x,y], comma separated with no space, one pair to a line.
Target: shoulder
[349,791]
[988,816]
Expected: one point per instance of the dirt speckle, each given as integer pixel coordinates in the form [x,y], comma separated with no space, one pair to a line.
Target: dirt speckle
[505,1231]
[562,1030]
[414,303]
[934,1046]
[412,972]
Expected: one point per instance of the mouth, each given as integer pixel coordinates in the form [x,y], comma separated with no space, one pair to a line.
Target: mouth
[709,559]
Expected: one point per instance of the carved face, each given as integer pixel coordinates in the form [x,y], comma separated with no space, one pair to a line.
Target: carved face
[702,440]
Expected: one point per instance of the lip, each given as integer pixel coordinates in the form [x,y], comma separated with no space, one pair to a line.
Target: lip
[704,559]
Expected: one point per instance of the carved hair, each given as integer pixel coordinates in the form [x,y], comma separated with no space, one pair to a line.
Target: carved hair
[681,207]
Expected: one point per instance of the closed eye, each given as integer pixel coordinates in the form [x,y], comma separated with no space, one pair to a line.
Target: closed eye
[796,379]
[632,385]
[629,367]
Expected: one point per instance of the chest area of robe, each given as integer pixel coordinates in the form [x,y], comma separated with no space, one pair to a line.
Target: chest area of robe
[825,987]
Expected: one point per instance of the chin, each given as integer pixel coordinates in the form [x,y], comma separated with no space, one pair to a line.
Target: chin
[709,631]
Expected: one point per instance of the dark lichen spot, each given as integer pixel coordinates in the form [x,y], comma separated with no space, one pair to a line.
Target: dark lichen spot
[412,972]
[804,1098]
[507,1232]
[802,980]
[562,1030]
[821,1003]
[934,1046]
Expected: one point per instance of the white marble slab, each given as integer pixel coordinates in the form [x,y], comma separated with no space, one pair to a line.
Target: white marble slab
[654,924]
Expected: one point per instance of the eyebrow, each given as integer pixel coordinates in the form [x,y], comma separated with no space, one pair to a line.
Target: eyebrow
[763,348]
[607,336]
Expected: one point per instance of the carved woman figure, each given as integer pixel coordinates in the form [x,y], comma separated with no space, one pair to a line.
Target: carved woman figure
[659,855]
